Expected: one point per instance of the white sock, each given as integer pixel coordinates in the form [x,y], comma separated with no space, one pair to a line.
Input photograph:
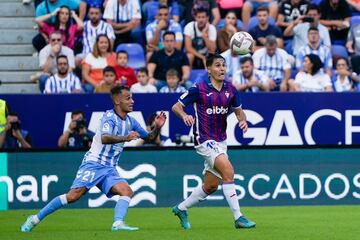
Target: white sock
[231,197]
[35,220]
[196,196]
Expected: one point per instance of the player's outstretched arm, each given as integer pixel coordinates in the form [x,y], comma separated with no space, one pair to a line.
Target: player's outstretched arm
[110,139]
[178,109]
[240,115]
[160,120]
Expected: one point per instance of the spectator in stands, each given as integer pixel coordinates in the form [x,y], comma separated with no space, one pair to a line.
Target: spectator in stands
[94,63]
[109,80]
[335,15]
[14,137]
[172,83]
[160,140]
[274,62]
[344,79]
[85,6]
[208,4]
[156,30]
[200,38]
[299,29]
[63,81]
[167,58]
[93,28]
[125,75]
[49,6]
[143,85]
[353,47]
[253,5]
[289,11]
[314,46]
[224,35]
[249,79]
[124,16]
[312,79]
[63,24]
[48,55]
[264,29]
[230,5]
[232,63]
[151,8]
[77,135]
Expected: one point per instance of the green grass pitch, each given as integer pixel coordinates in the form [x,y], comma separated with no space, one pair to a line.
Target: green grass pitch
[290,223]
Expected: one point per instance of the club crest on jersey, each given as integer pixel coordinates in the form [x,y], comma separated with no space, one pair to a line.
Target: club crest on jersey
[227,94]
[106,127]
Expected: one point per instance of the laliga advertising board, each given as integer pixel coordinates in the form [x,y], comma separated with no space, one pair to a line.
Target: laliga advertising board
[274,119]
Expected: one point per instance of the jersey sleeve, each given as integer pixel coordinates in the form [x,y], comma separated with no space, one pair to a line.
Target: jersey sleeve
[137,128]
[237,99]
[107,124]
[190,96]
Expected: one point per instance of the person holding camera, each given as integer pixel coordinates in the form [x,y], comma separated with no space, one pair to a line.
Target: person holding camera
[300,27]
[77,135]
[13,136]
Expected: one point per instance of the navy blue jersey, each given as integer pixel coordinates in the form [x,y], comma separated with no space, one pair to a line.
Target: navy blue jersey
[211,109]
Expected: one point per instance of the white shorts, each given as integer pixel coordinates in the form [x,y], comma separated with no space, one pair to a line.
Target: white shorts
[210,149]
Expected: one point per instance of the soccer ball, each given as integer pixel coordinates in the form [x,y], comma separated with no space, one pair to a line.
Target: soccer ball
[241,43]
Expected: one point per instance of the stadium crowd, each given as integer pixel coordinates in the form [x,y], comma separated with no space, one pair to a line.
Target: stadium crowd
[161,46]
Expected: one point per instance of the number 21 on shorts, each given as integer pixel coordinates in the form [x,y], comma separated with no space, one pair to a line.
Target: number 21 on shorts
[86,176]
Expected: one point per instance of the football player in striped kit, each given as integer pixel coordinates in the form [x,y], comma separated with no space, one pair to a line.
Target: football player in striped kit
[98,167]
[212,99]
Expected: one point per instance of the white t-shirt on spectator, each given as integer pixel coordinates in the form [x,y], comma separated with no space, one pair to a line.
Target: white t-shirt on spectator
[189,31]
[138,88]
[313,83]
[56,84]
[258,75]
[90,33]
[122,13]
[46,51]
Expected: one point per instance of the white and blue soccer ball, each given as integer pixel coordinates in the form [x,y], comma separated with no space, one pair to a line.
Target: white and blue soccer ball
[241,43]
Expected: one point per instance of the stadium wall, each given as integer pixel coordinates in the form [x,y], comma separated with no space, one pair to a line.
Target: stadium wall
[274,118]
[162,177]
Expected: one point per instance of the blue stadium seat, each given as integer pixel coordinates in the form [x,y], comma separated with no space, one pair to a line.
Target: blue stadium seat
[135,52]
[355,20]
[221,24]
[253,22]
[197,75]
[339,51]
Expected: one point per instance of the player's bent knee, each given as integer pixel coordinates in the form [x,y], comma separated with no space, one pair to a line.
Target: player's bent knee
[210,188]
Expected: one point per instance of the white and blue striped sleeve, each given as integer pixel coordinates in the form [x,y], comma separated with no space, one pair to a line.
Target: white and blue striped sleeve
[137,128]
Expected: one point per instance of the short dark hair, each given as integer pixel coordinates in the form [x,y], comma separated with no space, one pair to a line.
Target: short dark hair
[76,112]
[172,72]
[212,57]
[13,114]
[61,56]
[200,7]
[262,8]
[118,89]
[122,51]
[163,7]
[316,62]
[169,33]
[313,7]
[109,69]
[144,70]
[342,58]
[246,59]
[313,28]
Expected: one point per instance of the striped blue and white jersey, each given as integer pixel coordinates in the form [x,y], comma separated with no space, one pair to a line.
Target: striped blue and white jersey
[69,84]
[90,33]
[322,51]
[112,124]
